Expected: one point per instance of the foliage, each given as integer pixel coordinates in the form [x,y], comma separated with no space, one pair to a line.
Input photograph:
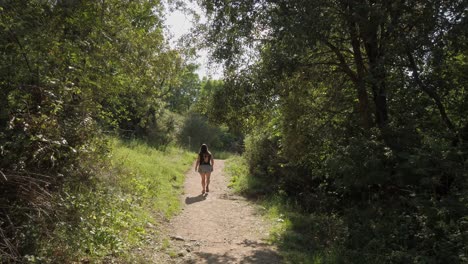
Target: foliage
[315,237]
[106,218]
[203,123]
[400,229]
[184,96]
[68,71]
[237,170]
[204,103]
[354,113]
[196,130]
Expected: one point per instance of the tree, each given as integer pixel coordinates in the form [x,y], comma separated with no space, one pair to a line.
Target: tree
[352,104]
[356,39]
[68,70]
[184,94]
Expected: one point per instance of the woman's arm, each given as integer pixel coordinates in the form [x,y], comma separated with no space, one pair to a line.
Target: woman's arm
[197,163]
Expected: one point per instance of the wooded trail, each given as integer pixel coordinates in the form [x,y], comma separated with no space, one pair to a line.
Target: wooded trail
[219,227]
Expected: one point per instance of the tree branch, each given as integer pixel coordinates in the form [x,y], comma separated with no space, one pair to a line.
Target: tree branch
[344,66]
[430,92]
[15,38]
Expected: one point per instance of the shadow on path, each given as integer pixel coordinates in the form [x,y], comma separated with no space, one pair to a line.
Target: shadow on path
[264,256]
[215,258]
[195,199]
[260,256]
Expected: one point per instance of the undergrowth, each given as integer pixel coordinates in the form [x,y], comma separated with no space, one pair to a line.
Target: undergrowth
[108,216]
[392,230]
[301,238]
[222,154]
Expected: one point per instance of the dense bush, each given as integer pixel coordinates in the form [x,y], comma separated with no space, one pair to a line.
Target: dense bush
[396,207]
[407,216]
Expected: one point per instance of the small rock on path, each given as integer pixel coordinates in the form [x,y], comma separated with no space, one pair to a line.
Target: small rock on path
[219,227]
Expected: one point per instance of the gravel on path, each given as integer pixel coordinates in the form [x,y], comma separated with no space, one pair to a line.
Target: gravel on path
[219,227]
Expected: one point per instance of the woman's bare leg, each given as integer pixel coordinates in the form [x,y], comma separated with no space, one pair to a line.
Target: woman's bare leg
[202,182]
[207,181]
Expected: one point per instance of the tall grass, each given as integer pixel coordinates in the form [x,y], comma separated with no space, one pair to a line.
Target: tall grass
[240,180]
[154,176]
[103,220]
[236,168]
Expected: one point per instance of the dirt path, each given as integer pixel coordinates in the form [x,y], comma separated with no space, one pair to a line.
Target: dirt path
[219,227]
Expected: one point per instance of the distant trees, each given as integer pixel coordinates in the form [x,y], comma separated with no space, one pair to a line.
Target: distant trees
[362,98]
[184,94]
[204,122]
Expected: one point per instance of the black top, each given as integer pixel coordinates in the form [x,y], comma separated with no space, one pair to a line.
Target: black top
[205,159]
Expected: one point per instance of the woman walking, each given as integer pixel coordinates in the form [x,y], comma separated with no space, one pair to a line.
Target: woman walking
[204,166]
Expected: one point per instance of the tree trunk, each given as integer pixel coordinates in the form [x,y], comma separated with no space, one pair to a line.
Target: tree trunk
[363,97]
[369,23]
[377,79]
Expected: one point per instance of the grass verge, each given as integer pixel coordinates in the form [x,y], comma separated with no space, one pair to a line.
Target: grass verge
[117,211]
[301,238]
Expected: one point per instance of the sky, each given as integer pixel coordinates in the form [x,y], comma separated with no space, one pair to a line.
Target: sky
[179,24]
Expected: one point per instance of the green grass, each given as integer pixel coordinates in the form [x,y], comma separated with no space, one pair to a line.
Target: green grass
[237,169]
[240,181]
[154,176]
[301,238]
[107,217]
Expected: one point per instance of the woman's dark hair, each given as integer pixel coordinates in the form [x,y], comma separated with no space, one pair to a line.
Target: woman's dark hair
[203,149]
